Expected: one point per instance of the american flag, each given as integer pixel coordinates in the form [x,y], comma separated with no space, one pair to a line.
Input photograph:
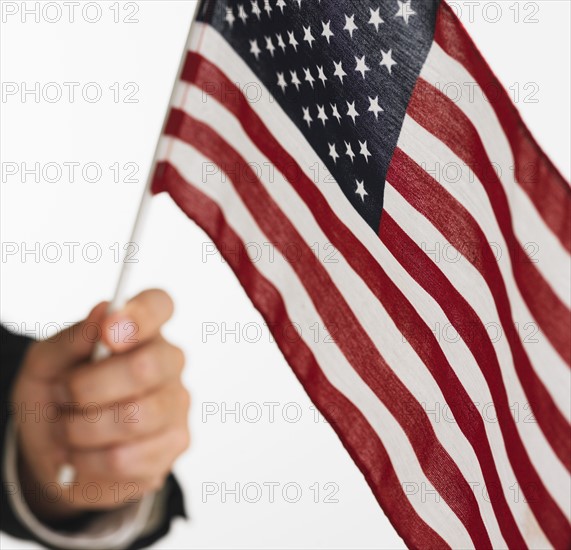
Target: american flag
[399,202]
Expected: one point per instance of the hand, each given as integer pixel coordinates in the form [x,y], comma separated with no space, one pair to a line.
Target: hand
[120,422]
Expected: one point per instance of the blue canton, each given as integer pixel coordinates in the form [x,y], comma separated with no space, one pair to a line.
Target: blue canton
[343,72]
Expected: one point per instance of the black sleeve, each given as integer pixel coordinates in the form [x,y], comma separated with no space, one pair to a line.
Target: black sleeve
[12,350]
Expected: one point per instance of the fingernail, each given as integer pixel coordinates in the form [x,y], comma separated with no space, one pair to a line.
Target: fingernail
[122,331]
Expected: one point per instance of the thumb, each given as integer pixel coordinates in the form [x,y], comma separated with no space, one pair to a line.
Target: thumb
[48,358]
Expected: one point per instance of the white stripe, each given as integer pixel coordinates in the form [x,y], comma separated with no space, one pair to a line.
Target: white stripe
[219,53]
[376,322]
[425,149]
[332,362]
[466,279]
[468,372]
[529,227]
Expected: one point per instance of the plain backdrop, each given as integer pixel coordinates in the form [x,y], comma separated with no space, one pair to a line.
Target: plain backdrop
[137,61]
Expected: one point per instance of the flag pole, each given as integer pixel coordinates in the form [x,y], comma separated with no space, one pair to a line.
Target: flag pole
[119,299]
[66,472]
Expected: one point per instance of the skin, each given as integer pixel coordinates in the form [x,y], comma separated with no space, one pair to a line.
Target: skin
[123,445]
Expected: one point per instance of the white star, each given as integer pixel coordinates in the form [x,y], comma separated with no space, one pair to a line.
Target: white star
[267,7]
[350,25]
[349,151]
[282,81]
[294,80]
[327,30]
[307,36]
[281,42]
[339,71]
[374,107]
[364,151]
[387,60]
[308,77]
[361,66]
[281,4]
[242,13]
[321,75]
[321,114]
[270,45]
[256,9]
[335,112]
[293,42]
[405,10]
[375,18]
[230,16]
[254,48]
[307,116]
[361,189]
[298,3]
[351,111]
[332,152]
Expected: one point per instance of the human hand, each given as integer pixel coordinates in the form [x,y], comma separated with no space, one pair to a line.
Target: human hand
[120,422]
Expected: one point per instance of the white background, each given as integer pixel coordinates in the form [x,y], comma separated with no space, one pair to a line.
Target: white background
[305,452]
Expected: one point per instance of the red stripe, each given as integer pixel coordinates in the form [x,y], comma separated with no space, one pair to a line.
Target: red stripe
[406,318]
[355,433]
[448,215]
[546,307]
[404,315]
[534,172]
[470,328]
[350,337]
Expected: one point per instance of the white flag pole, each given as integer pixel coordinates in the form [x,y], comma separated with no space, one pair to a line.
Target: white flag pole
[119,298]
[66,472]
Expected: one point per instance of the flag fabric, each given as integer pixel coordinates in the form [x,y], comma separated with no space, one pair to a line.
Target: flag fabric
[407,241]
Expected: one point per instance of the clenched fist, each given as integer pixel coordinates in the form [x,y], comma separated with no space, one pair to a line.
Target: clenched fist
[120,422]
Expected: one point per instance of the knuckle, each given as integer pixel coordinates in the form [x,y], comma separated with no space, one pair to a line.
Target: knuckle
[179,358]
[131,428]
[146,415]
[131,419]
[186,398]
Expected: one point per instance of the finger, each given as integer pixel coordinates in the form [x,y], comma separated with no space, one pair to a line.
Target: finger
[128,421]
[49,358]
[137,460]
[139,321]
[125,376]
